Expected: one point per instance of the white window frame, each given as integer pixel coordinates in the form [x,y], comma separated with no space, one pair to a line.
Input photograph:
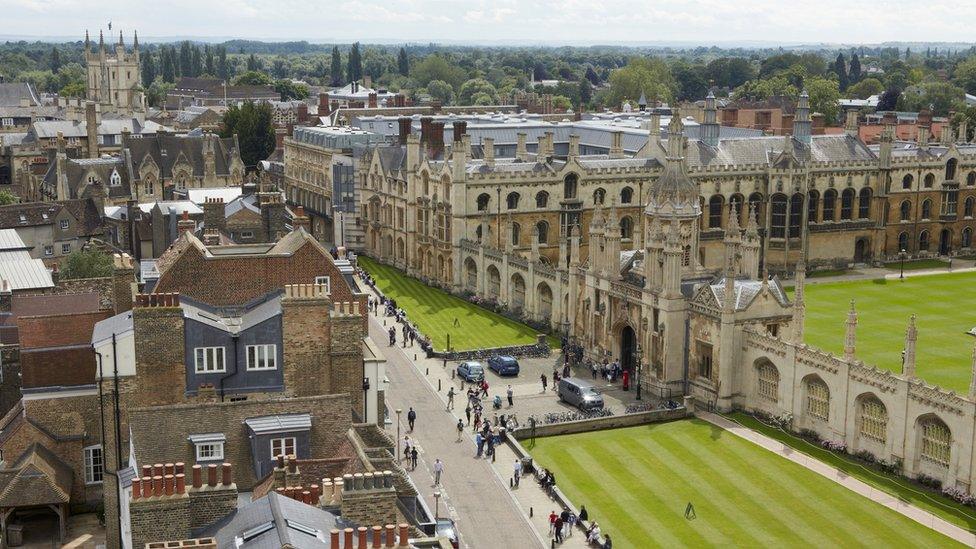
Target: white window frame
[48,250]
[115,179]
[325,281]
[216,450]
[64,224]
[8,122]
[94,467]
[263,353]
[66,248]
[283,443]
[247,234]
[205,359]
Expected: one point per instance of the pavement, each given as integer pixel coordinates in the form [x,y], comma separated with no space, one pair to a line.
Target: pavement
[872,273]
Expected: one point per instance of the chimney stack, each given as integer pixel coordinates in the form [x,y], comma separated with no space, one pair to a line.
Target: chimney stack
[460,128]
[324,109]
[405,127]
[300,220]
[185,224]
[372,100]
[436,145]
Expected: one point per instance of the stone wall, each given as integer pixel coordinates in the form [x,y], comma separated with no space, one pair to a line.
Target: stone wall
[601,423]
[9,378]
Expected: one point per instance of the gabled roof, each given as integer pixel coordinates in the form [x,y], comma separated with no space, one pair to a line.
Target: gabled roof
[746,292]
[276,521]
[12,93]
[37,478]
[168,150]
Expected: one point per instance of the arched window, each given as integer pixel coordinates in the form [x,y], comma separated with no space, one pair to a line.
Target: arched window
[425,180]
[829,199]
[936,445]
[516,234]
[873,420]
[929,180]
[115,179]
[818,399]
[778,221]
[796,214]
[150,185]
[626,195]
[971,179]
[512,200]
[950,171]
[968,206]
[926,209]
[626,227]
[967,237]
[541,199]
[923,241]
[542,231]
[599,196]
[570,184]
[483,200]
[813,200]
[715,204]
[903,242]
[846,204]
[864,204]
[906,182]
[518,292]
[767,381]
[446,185]
[906,210]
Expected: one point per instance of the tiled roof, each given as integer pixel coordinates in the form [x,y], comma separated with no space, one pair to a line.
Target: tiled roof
[58,330]
[39,477]
[38,305]
[11,94]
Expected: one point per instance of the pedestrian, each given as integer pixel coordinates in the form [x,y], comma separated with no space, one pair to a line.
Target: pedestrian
[413,336]
[438,469]
[571,523]
[558,529]
[480,443]
[450,399]
[484,388]
[607,542]
[566,370]
[594,369]
[406,447]
[583,515]
[392,336]
[413,458]
[543,380]
[411,418]
[491,446]
[517,471]
[477,421]
[460,429]
[467,412]
[552,523]
[510,394]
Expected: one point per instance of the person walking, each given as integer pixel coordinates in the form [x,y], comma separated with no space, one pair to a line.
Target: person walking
[406,447]
[480,443]
[450,399]
[467,412]
[517,471]
[413,458]
[510,394]
[460,429]
[413,336]
[411,418]
[552,523]
[542,378]
[438,469]
[558,529]
[392,336]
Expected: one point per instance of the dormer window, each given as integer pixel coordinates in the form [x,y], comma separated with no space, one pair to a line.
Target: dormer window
[64,224]
[115,180]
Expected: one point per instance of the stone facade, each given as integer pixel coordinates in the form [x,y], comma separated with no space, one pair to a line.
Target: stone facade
[115,77]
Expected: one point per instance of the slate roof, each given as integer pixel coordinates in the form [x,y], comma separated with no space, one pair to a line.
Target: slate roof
[279,423]
[12,92]
[168,150]
[37,478]
[747,290]
[30,214]
[48,129]
[276,521]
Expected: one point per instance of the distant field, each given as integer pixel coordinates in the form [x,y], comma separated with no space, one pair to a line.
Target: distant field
[637,483]
[434,312]
[946,309]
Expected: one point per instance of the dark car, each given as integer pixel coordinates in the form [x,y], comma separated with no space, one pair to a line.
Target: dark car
[471,371]
[447,529]
[504,365]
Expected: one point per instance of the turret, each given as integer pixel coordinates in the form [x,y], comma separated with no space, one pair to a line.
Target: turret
[801,123]
[596,243]
[884,151]
[653,145]
[612,246]
[850,122]
[101,44]
[750,246]
[799,305]
[87,43]
[850,328]
[521,153]
[709,127]
[671,281]
[908,355]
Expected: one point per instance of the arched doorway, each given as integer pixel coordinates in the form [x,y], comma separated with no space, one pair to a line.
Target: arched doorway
[860,250]
[628,348]
[945,242]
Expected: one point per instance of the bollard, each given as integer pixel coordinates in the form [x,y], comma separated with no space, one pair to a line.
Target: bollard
[415,357]
[530,512]
[511,483]
[445,364]
[438,385]
[452,375]
[427,372]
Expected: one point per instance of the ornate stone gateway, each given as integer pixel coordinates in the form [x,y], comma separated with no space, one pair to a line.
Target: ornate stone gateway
[628,348]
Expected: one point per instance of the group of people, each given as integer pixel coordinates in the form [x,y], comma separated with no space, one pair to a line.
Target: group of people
[561,526]
[409,334]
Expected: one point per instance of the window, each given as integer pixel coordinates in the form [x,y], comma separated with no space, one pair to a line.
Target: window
[209,360]
[929,180]
[936,442]
[627,228]
[94,464]
[283,446]
[818,399]
[7,122]
[715,205]
[150,188]
[516,234]
[512,200]
[66,248]
[926,209]
[48,250]
[906,210]
[247,234]
[483,200]
[906,182]
[967,239]
[796,215]
[210,451]
[778,205]
[542,231]
[704,360]
[847,204]
[64,224]
[874,420]
[864,204]
[768,385]
[950,170]
[541,199]
[968,206]
[569,186]
[626,195]
[115,180]
[971,179]
[325,281]
[262,357]
[903,242]
[829,198]
[599,196]
[813,199]
[923,241]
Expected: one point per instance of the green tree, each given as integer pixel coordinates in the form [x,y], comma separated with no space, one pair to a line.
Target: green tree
[473,87]
[480,99]
[156,92]
[196,61]
[74,89]
[840,69]
[290,90]
[441,91]
[691,80]
[561,102]
[403,63]
[186,59]
[355,62]
[254,129]
[940,97]
[854,73]
[436,67]
[7,198]
[335,73]
[253,63]
[585,92]
[253,78]
[969,115]
[209,65]
[223,67]
[148,69]
[728,72]
[86,264]
[965,75]
[865,88]
[652,77]
[55,59]
[824,94]
[168,65]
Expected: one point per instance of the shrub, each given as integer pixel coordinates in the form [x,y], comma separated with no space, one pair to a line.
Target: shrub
[960,496]
[929,482]
[865,455]
[834,445]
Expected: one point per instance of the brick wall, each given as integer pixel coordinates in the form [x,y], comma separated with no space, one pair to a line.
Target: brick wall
[209,505]
[160,361]
[10,373]
[346,353]
[366,504]
[158,519]
[306,333]
[104,287]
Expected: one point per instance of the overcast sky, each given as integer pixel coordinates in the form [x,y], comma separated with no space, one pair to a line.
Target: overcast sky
[477,21]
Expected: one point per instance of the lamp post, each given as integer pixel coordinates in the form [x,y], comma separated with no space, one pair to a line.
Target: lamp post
[398,412]
[365,396]
[901,255]
[437,500]
[640,368]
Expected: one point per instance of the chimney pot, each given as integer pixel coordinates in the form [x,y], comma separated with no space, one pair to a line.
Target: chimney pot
[168,484]
[363,542]
[180,466]
[377,537]
[281,461]
[147,486]
[334,539]
[136,488]
[227,476]
[212,475]
[197,476]
[314,489]
[158,467]
[404,535]
[347,542]
[180,483]
[390,535]
[157,485]
[169,469]
[146,469]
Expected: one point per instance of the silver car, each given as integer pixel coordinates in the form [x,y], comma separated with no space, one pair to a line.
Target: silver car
[580,393]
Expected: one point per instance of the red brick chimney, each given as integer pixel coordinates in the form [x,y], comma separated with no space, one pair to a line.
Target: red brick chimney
[406,125]
[185,224]
[324,109]
[436,144]
[300,220]
[303,113]
[460,128]
[372,100]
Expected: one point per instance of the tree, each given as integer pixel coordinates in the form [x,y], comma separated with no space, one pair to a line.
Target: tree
[854,73]
[168,65]
[335,72]
[253,78]
[7,198]
[476,86]
[254,129]
[186,59]
[253,63]
[691,81]
[969,115]
[888,100]
[585,92]
[209,66]
[74,89]
[441,91]
[403,63]
[840,68]
[965,75]
[355,64]
[539,71]
[592,76]
[196,62]
[156,92]
[223,68]
[148,69]
[436,67]
[652,77]
[290,90]
[940,97]
[86,264]
[728,72]
[865,88]
[561,102]
[824,94]
[55,59]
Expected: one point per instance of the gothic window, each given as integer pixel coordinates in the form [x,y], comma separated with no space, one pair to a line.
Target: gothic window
[115,179]
[150,186]
[968,206]
[512,200]
[971,179]
[478,232]
[778,221]
[483,200]
[936,444]
[926,209]
[569,186]
[929,180]
[626,195]
[906,182]
[542,230]
[599,196]
[768,382]
[686,256]
[796,214]
[950,170]
[518,292]
[818,399]
[906,210]
[874,420]
[516,234]
[812,201]
[829,200]
[626,228]
[181,181]
[715,205]
[864,204]
[967,237]
[541,199]
[704,360]
[903,242]
[923,241]
[846,204]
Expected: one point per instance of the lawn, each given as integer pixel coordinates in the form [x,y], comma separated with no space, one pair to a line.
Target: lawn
[434,311]
[637,482]
[946,309]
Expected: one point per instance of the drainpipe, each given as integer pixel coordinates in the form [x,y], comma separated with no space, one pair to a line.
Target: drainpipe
[101,413]
[231,374]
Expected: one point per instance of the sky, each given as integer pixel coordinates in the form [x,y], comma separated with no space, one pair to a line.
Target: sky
[578,22]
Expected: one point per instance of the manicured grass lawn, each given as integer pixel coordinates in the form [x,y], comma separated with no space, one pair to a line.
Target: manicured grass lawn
[636,482]
[434,311]
[903,489]
[917,265]
[946,309]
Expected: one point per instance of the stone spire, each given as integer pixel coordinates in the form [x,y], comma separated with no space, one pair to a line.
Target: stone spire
[799,306]
[750,246]
[674,194]
[908,356]
[135,40]
[121,40]
[850,328]
[972,381]
[101,41]
[709,126]
[87,42]
[801,121]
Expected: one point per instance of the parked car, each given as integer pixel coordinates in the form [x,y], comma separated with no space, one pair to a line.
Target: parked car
[471,371]
[447,529]
[580,393]
[504,365]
